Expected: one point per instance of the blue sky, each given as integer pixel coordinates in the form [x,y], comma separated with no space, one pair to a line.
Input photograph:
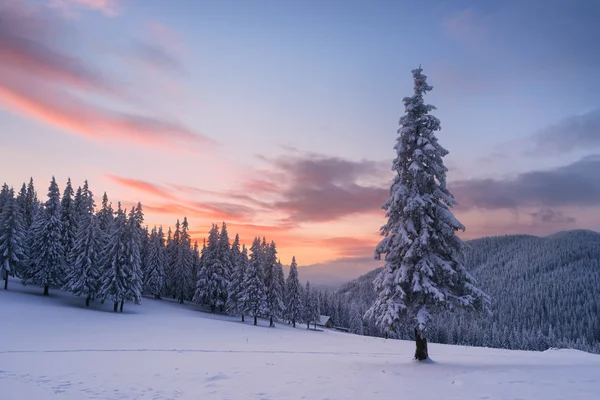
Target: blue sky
[271,100]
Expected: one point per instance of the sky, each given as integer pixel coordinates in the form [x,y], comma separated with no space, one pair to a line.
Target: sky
[279,117]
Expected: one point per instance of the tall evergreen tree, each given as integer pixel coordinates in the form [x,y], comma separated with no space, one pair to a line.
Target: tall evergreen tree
[183,263]
[310,306]
[196,264]
[5,193]
[46,253]
[106,215]
[212,284]
[253,297]
[236,284]
[133,259]
[171,253]
[12,238]
[84,277]
[356,322]
[293,298]
[226,260]
[269,265]
[423,274]
[32,205]
[68,217]
[115,275]
[154,278]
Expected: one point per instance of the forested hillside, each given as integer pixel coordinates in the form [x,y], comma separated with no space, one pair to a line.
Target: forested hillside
[545,293]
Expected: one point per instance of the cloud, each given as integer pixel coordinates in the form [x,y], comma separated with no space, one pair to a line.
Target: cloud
[577,132]
[72,8]
[313,188]
[576,184]
[161,48]
[550,216]
[40,79]
[142,186]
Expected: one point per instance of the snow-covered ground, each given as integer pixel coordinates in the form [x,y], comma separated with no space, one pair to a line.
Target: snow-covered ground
[55,348]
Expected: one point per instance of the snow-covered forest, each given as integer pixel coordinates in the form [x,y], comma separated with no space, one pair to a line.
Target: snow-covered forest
[544,291]
[107,254]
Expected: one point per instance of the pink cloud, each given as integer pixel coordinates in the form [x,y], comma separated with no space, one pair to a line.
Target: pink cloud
[72,8]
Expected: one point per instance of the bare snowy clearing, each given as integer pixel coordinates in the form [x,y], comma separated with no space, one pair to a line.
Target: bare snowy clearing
[55,348]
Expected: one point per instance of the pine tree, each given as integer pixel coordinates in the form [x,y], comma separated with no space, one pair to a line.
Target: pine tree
[84,277]
[236,284]
[31,205]
[423,274]
[171,253]
[196,265]
[46,253]
[212,284]
[133,259]
[226,261]
[68,217]
[106,216]
[310,306]
[293,299]
[269,272]
[279,290]
[183,263]
[115,279]
[253,297]
[356,321]
[12,238]
[5,193]
[154,278]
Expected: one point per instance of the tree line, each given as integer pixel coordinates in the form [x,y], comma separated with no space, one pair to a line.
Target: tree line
[109,255]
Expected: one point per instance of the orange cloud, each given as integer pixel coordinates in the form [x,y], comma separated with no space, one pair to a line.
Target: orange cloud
[61,110]
[142,186]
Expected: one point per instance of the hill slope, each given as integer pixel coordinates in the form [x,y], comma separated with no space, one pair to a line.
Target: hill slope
[53,348]
[545,292]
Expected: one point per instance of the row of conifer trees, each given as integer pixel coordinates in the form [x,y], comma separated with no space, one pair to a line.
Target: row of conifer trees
[108,255]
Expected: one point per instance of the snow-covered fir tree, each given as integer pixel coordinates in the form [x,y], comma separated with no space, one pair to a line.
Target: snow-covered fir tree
[356,321]
[84,276]
[310,306]
[106,216]
[171,253]
[133,259]
[5,193]
[114,278]
[196,265]
[274,292]
[68,217]
[236,283]
[182,267]
[253,297]
[212,284]
[293,295]
[423,274]
[12,238]
[280,289]
[155,260]
[45,265]
[32,205]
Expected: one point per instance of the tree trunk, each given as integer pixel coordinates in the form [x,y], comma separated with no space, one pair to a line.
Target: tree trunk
[157,296]
[271,321]
[255,320]
[181,300]
[421,342]
[122,301]
[102,301]
[5,280]
[293,322]
[242,317]
[116,306]
[308,325]
[87,301]
[46,290]
[213,309]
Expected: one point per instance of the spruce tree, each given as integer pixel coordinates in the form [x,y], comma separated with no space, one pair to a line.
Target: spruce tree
[115,279]
[31,205]
[68,217]
[308,305]
[253,297]
[196,265]
[423,274]
[183,263]
[226,261]
[12,238]
[236,284]
[5,193]
[84,277]
[212,284]
[106,216]
[133,259]
[269,272]
[356,322]
[293,298]
[154,277]
[45,266]
[170,253]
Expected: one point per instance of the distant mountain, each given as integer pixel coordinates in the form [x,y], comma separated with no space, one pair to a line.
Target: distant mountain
[545,293]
